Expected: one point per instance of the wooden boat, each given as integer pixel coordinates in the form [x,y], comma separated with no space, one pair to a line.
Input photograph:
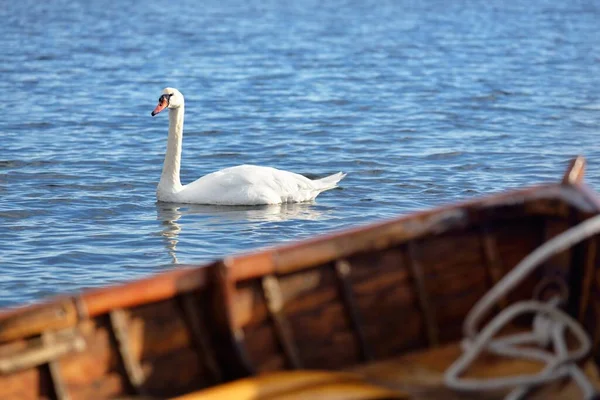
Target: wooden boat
[369,313]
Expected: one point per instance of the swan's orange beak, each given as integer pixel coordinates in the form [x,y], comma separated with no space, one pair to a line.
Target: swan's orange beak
[162,104]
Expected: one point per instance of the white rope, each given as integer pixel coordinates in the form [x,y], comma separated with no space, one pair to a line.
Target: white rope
[550,326]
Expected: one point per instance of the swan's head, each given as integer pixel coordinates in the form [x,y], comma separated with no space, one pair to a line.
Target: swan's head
[170,98]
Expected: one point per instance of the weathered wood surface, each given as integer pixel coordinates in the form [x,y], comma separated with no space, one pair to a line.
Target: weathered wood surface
[387,297]
[338,301]
[420,375]
[575,171]
[298,384]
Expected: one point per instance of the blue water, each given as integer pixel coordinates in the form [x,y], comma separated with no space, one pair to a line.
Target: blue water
[421,103]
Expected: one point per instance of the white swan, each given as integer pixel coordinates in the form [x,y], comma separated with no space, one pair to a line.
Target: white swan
[241,185]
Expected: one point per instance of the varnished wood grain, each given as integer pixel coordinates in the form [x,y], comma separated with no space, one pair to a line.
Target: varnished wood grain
[575,171]
[420,374]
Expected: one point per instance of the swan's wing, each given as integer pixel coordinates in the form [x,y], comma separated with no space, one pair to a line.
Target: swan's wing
[250,184]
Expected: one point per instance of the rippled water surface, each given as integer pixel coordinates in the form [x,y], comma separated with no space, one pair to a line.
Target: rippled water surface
[421,103]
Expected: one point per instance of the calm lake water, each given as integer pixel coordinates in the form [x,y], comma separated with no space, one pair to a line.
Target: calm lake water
[421,103]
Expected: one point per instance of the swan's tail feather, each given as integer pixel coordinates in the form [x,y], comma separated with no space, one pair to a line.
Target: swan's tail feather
[329,182]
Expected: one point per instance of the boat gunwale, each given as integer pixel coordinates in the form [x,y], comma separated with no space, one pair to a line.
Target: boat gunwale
[246,266]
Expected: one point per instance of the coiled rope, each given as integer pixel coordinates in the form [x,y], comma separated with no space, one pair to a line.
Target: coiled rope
[550,326]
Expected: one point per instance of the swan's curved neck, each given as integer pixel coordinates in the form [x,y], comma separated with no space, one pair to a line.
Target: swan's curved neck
[169,180]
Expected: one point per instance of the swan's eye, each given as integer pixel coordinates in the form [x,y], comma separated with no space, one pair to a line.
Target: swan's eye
[165,98]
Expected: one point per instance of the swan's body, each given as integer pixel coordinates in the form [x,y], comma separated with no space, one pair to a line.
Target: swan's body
[241,185]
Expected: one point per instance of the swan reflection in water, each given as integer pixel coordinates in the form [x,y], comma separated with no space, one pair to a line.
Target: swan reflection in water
[204,218]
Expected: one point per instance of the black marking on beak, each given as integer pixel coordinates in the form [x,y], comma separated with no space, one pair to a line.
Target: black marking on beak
[166,97]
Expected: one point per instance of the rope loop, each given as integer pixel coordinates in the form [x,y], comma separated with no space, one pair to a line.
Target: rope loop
[550,327]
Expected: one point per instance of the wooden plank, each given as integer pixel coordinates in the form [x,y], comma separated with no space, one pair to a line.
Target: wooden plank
[133,369]
[58,383]
[343,270]
[575,171]
[42,351]
[200,335]
[588,278]
[231,334]
[275,305]
[553,275]
[149,290]
[34,320]
[385,236]
[493,262]
[423,295]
